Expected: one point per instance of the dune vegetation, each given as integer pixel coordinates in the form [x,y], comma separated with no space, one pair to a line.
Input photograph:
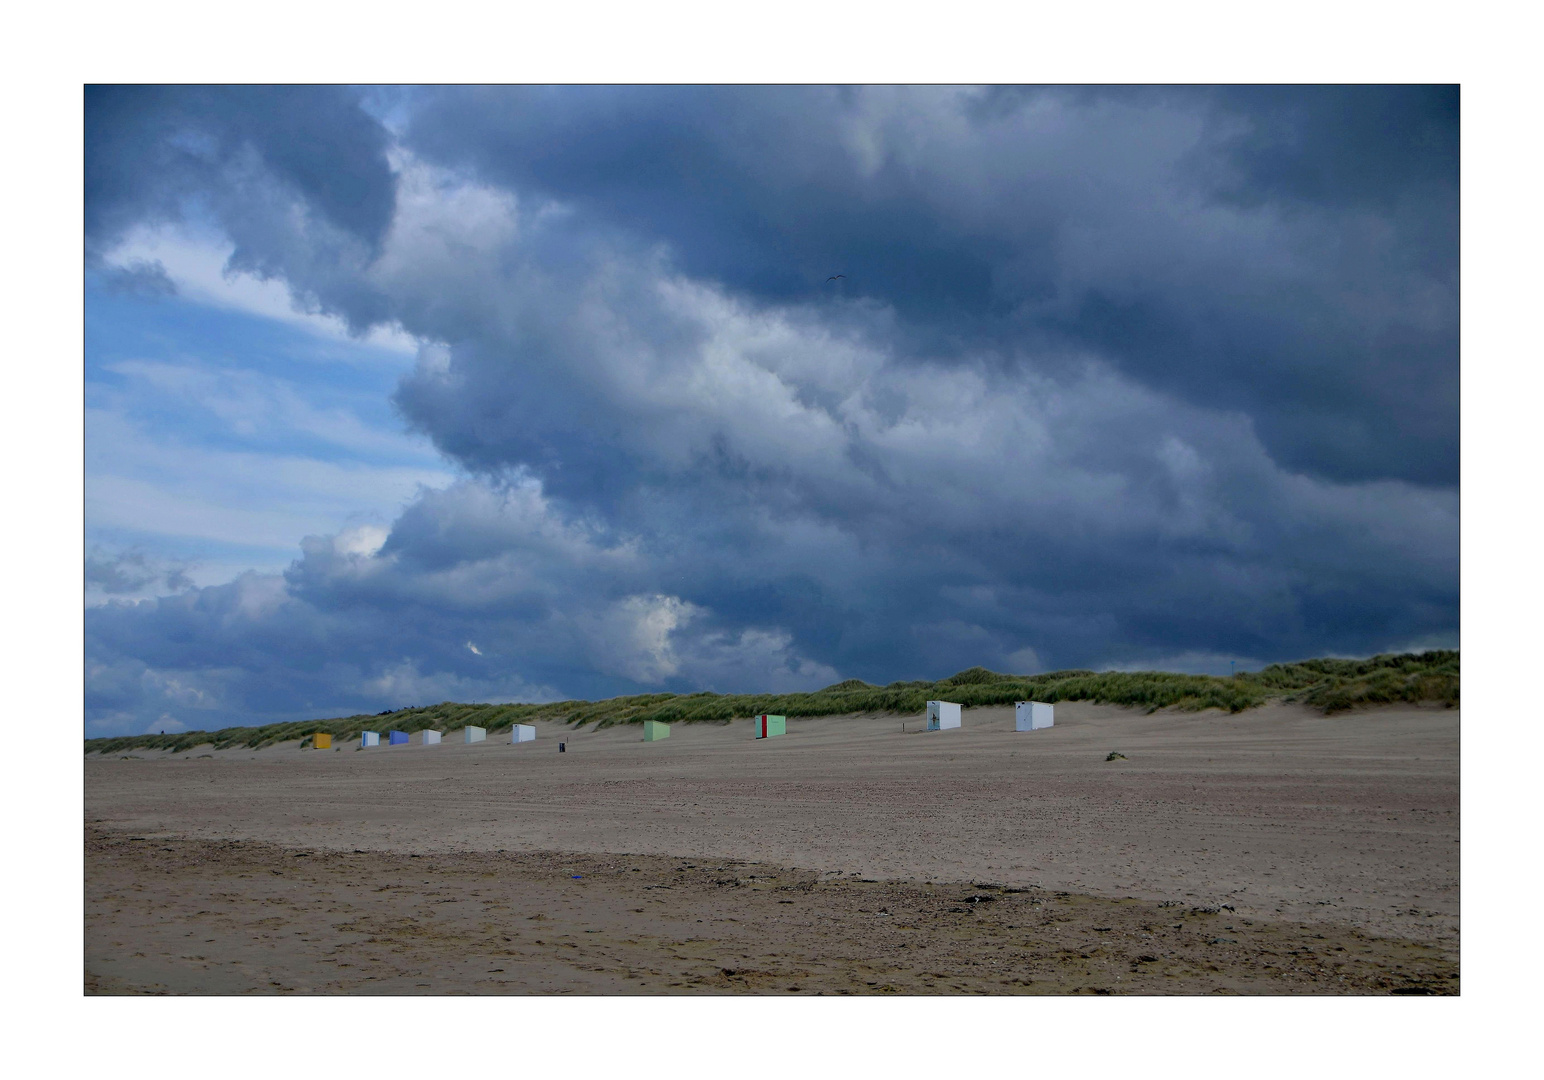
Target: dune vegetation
[1330,684]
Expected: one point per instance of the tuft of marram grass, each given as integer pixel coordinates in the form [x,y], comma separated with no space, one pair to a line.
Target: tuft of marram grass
[1332,685]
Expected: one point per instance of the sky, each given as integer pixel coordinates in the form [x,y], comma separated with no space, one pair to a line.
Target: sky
[399,395]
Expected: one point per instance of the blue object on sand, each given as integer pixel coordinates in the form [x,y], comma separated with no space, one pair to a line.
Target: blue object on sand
[576,876]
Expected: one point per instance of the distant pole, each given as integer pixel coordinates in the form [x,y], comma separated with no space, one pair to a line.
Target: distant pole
[1230,667]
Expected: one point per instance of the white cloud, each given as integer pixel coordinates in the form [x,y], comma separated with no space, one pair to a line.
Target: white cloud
[167,724]
[652,638]
[1424,643]
[752,660]
[634,637]
[1192,662]
[472,548]
[197,264]
[361,540]
[404,682]
[178,688]
[1025,661]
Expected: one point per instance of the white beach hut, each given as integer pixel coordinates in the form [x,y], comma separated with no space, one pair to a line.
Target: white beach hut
[522,733]
[431,738]
[942,715]
[369,738]
[475,734]
[1032,715]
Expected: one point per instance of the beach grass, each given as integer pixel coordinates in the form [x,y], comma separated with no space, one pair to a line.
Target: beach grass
[1331,685]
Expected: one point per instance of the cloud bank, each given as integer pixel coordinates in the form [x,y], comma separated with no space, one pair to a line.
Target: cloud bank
[1112,376]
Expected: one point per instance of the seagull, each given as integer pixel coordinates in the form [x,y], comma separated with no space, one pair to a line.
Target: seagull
[834,277]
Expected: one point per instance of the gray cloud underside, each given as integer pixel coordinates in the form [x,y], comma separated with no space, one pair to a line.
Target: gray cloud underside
[132,571]
[1111,374]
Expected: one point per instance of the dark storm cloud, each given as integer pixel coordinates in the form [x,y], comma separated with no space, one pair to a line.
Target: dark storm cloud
[909,517]
[1341,145]
[1114,375]
[1327,304]
[140,277]
[247,157]
[148,148]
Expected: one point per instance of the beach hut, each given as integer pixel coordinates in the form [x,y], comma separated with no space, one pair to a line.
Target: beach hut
[653,731]
[942,715]
[321,741]
[522,733]
[397,738]
[475,734]
[768,725]
[369,738]
[1032,715]
[431,738]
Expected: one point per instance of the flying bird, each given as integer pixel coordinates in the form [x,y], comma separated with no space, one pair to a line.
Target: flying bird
[834,277]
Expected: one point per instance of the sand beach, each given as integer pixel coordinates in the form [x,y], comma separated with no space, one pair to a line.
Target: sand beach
[1272,851]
